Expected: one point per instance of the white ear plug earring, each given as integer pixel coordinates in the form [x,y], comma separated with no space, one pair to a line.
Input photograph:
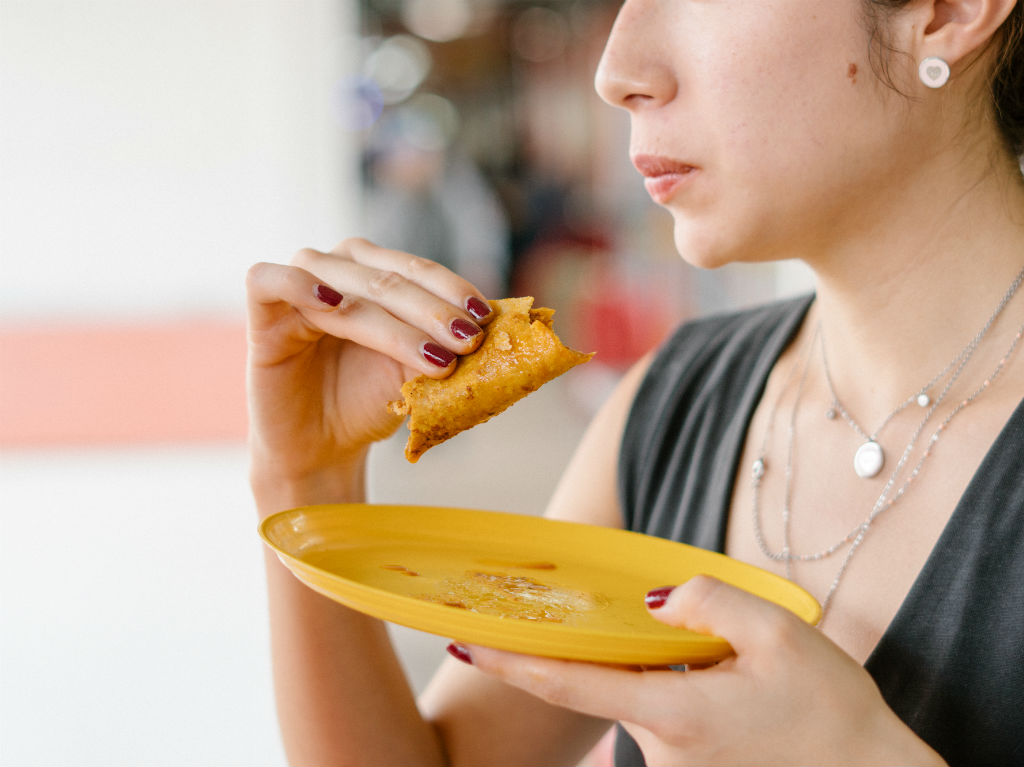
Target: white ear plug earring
[934,72]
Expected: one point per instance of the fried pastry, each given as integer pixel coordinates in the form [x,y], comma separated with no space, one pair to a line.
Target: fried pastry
[519,354]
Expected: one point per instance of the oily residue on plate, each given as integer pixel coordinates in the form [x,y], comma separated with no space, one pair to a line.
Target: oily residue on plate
[513,596]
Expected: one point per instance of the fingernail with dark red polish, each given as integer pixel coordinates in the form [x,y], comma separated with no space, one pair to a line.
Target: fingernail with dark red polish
[658,597]
[459,652]
[438,355]
[328,295]
[464,329]
[479,309]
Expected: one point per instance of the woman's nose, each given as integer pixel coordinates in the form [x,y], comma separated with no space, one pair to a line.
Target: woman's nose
[634,71]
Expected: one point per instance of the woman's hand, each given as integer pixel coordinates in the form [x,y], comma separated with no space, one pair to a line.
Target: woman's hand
[331,340]
[789,695]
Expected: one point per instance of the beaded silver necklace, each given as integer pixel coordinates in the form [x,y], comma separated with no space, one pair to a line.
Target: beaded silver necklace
[869,458]
[886,498]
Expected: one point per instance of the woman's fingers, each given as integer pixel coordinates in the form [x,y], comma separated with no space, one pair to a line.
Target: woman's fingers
[607,692]
[666,704]
[416,291]
[428,274]
[268,284]
[412,288]
[275,290]
[709,606]
[752,625]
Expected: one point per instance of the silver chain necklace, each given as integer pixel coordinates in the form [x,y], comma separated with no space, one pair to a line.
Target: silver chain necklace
[884,502]
[869,458]
[760,467]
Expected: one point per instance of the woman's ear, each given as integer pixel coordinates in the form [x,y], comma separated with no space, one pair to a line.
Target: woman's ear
[958,30]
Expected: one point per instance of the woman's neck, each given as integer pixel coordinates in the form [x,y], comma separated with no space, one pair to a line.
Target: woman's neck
[914,296]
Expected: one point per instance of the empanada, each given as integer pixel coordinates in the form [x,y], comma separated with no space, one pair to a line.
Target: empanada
[519,354]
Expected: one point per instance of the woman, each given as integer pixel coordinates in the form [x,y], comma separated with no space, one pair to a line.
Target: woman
[864,137]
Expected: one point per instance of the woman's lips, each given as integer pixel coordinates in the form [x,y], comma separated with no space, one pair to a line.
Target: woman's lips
[662,176]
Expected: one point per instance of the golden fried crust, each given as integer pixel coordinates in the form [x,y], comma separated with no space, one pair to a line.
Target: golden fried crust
[519,354]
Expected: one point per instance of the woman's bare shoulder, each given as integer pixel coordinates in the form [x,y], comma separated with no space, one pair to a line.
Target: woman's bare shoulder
[588,489]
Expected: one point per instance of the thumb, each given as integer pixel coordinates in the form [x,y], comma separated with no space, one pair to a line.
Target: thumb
[709,606]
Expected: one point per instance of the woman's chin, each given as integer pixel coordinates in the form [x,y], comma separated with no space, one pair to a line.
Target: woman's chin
[702,252]
[712,246]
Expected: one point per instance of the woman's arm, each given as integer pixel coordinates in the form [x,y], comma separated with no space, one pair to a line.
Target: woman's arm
[320,372]
[328,344]
[342,696]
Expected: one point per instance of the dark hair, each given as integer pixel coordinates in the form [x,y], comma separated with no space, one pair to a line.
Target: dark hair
[1006,81]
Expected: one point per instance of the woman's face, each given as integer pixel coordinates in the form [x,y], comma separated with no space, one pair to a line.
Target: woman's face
[758,123]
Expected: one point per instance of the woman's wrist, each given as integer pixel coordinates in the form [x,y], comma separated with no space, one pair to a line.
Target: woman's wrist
[884,738]
[273,490]
[914,750]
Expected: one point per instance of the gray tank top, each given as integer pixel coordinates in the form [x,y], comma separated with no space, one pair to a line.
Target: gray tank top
[951,663]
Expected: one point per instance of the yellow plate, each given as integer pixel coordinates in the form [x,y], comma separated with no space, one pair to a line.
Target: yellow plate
[510,581]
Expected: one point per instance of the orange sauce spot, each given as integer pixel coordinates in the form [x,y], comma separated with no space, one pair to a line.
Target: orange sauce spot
[400,569]
[519,565]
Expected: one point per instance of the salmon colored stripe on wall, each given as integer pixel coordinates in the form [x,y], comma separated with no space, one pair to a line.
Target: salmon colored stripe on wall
[105,384]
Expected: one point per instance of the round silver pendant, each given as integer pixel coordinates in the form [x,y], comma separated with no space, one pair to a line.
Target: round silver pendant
[868,460]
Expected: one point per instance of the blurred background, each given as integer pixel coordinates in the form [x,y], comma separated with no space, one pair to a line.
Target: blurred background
[150,151]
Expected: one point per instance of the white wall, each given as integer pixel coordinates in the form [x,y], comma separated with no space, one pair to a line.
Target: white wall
[132,616]
[151,149]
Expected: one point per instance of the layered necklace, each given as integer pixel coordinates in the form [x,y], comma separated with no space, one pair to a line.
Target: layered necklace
[870,457]
[852,540]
